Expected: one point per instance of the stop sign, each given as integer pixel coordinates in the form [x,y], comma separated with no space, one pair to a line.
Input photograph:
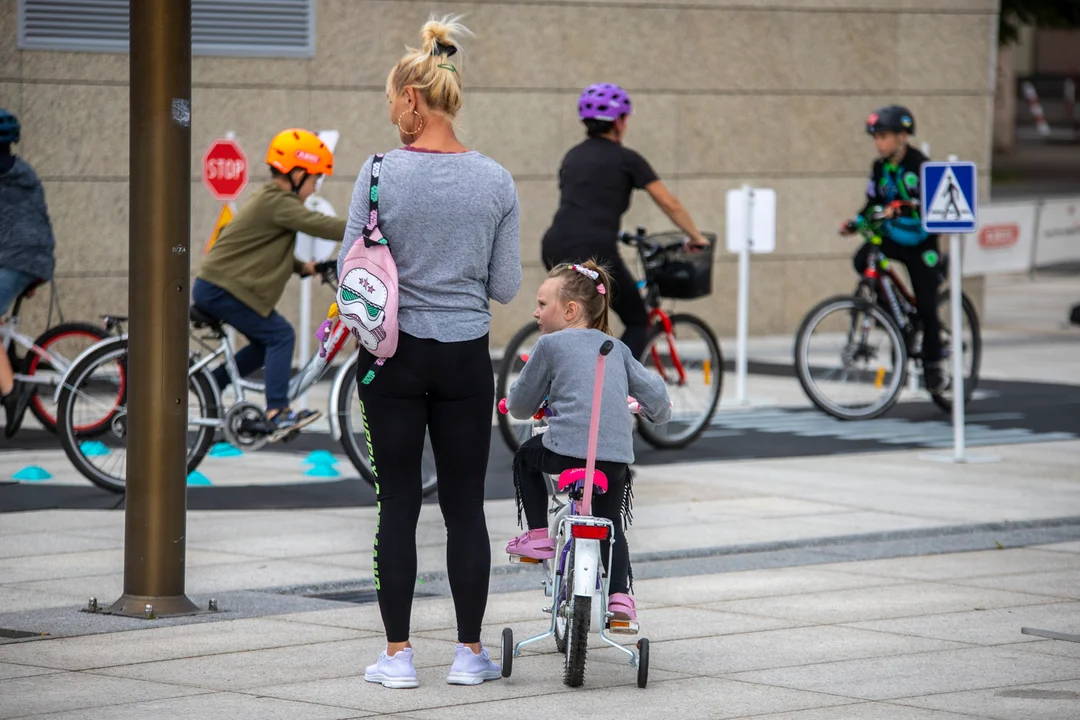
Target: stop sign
[225,169]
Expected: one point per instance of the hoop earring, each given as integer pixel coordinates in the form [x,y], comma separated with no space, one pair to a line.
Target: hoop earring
[420,125]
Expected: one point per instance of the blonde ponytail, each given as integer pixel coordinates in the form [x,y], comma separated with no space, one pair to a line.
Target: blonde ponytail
[433,69]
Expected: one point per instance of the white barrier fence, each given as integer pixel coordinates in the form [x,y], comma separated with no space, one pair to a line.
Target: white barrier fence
[1023,235]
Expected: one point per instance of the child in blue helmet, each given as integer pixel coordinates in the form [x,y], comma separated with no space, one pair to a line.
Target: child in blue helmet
[26,252]
[895,177]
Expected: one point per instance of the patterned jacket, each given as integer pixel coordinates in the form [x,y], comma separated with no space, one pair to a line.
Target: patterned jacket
[26,236]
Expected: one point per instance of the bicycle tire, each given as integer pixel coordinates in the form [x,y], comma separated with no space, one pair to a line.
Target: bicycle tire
[651,433]
[200,383]
[359,455]
[577,646]
[802,362]
[643,663]
[512,355]
[45,409]
[944,400]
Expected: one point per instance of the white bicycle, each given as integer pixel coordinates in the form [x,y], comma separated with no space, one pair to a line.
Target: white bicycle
[576,579]
[92,402]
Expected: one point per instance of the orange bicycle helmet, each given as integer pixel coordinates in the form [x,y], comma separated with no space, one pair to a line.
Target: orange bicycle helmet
[296,148]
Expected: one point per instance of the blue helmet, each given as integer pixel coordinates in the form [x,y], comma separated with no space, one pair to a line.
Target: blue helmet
[9,127]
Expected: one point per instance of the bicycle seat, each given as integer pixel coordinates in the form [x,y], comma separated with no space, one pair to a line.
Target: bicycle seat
[200,320]
[30,289]
[576,475]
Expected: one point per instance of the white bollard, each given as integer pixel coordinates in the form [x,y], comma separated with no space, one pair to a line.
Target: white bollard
[744,301]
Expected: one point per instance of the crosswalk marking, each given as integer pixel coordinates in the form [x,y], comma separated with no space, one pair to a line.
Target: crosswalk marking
[889,431]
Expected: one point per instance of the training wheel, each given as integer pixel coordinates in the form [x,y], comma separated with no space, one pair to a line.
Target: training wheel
[508,652]
[643,662]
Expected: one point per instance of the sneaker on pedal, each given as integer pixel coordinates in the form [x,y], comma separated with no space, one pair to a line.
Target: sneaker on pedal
[624,614]
[533,545]
[470,668]
[15,403]
[934,378]
[288,421]
[396,671]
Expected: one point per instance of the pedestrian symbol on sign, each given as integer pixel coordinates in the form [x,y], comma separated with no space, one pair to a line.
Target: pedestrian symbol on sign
[948,202]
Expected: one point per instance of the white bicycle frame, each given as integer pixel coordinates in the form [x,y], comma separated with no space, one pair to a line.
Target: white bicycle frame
[590,579]
[298,384]
[9,335]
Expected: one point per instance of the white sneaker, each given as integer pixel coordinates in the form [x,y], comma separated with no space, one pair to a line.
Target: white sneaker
[393,672]
[472,669]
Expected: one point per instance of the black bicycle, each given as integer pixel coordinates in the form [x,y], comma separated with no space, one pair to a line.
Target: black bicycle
[681,347]
[853,352]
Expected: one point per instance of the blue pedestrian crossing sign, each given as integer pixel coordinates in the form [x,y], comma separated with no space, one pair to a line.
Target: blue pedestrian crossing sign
[950,192]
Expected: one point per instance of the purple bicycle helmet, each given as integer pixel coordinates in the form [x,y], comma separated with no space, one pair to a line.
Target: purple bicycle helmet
[604,101]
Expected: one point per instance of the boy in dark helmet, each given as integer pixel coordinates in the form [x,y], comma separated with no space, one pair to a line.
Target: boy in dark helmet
[895,177]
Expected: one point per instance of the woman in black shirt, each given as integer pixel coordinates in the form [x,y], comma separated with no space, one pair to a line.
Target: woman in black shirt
[596,180]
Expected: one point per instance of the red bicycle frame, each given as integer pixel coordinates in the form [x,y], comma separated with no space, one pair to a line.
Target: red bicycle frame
[657,314]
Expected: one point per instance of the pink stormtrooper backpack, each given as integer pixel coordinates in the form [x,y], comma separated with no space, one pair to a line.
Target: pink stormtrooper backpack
[367,296]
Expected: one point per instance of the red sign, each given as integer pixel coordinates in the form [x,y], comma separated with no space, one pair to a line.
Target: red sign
[999,236]
[225,170]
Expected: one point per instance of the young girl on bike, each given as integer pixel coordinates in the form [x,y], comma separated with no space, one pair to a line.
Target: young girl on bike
[596,180]
[572,312]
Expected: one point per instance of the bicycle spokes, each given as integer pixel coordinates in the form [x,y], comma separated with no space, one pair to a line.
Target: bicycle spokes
[850,358]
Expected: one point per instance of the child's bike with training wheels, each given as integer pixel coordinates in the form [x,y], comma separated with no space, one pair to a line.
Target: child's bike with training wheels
[853,353]
[575,578]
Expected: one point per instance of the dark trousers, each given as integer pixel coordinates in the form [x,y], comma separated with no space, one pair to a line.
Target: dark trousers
[532,459]
[270,341]
[448,390]
[925,279]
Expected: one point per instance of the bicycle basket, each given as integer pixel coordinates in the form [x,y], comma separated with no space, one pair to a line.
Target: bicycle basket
[679,274]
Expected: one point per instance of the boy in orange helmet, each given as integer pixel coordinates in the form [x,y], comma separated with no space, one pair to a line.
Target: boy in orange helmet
[244,275]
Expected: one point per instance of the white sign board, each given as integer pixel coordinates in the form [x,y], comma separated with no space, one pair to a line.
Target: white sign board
[311,248]
[1002,243]
[1059,232]
[762,230]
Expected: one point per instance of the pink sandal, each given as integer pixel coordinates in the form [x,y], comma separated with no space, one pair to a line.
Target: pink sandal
[622,605]
[533,544]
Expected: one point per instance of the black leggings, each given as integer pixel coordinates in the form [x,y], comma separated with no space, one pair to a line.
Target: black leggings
[532,459]
[449,389]
[626,301]
[925,279]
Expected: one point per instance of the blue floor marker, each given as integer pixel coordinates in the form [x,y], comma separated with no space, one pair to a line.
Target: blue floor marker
[224,449]
[320,457]
[32,473]
[326,471]
[197,479]
[93,448]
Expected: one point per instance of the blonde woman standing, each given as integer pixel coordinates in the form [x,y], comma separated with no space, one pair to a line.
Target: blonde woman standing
[451,218]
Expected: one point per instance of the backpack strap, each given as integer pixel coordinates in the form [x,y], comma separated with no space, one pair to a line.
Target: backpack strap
[373,204]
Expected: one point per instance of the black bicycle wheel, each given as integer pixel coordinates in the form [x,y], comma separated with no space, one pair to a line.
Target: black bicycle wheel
[829,363]
[514,432]
[690,361]
[98,385]
[577,647]
[643,662]
[972,348]
[354,439]
[64,343]
[507,652]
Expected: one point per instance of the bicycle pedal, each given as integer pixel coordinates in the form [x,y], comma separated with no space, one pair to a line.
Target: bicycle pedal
[622,627]
[525,560]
